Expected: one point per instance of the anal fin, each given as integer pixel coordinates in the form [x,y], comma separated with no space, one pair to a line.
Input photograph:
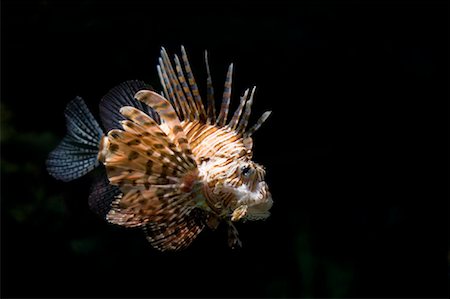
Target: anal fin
[176,234]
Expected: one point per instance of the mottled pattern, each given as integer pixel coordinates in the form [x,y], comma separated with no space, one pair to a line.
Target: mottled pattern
[214,156]
[172,165]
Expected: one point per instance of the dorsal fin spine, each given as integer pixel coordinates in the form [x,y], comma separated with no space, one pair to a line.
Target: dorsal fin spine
[193,84]
[211,113]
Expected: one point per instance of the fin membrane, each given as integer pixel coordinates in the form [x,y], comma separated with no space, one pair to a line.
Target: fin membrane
[233,237]
[176,234]
[120,96]
[76,154]
[102,194]
[154,175]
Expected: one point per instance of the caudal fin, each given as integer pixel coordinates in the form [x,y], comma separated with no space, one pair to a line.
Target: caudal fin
[77,153]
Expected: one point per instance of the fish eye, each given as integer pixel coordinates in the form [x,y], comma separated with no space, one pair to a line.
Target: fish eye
[246,170]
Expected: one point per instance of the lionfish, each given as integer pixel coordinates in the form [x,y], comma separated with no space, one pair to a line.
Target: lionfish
[171,165]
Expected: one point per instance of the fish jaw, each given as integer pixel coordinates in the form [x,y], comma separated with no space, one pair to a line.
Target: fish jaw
[252,204]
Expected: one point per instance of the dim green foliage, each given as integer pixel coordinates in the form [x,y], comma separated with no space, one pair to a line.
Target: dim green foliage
[34,203]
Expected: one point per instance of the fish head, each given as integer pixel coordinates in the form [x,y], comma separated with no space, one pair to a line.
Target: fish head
[253,199]
[239,181]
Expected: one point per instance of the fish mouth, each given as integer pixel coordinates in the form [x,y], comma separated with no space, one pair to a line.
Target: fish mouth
[260,211]
[258,202]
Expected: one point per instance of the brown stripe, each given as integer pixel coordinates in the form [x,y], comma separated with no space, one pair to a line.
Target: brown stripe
[133,142]
[177,129]
[113,147]
[133,155]
[164,171]
[114,135]
[148,167]
[182,140]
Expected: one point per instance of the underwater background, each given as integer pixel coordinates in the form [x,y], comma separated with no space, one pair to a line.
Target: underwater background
[352,149]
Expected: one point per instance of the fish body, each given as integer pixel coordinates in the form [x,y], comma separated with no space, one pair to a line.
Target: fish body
[172,166]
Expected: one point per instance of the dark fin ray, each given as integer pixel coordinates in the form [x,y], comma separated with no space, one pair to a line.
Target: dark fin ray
[233,236]
[193,84]
[258,124]
[170,90]
[176,234]
[77,153]
[102,194]
[188,111]
[119,96]
[165,92]
[222,119]
[237,114]
[211,113]
[248,108]
[169,80]
[182,79]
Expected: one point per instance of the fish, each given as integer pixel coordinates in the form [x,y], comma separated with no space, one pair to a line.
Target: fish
[168,162]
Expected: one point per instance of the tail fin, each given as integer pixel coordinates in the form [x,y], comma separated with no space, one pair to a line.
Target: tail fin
[77,153]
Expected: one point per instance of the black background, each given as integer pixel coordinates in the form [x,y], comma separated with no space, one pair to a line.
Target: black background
[355,149]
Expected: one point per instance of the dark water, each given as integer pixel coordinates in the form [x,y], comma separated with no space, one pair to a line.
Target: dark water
[352,150]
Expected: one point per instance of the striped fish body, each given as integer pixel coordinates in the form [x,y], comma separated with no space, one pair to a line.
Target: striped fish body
[172,165]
